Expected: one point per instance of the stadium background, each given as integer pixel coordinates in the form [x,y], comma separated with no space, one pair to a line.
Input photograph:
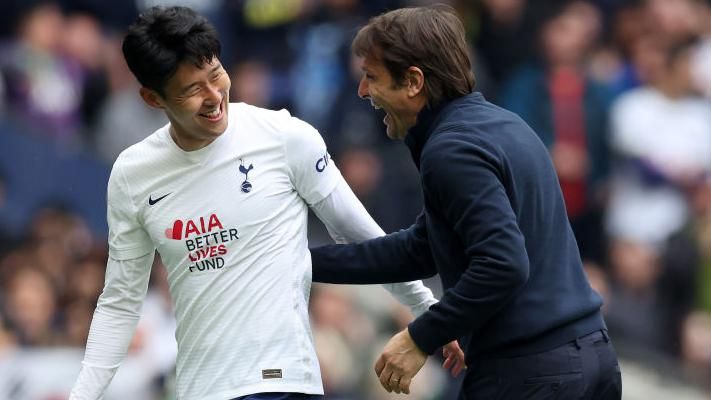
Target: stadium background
[614,87]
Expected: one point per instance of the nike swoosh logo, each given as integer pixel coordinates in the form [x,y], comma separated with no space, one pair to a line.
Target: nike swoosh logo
[152,202]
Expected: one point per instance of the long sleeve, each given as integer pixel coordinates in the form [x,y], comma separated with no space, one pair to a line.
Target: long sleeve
[465,184]
[114,323]
[128,270]
[397,257]
[347,221]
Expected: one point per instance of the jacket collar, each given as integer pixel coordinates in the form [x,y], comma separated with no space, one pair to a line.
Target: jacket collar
[417,135]
[427,120]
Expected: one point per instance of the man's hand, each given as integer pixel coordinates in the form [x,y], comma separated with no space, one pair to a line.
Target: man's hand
[399,363]
[453,358]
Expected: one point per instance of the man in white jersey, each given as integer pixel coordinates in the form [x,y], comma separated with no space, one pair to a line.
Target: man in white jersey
[222,192]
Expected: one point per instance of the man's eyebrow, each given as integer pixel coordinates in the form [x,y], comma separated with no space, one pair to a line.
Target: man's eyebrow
[190,86]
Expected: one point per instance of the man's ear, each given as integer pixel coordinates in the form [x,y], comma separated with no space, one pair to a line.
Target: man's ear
[151,97]
[415,80]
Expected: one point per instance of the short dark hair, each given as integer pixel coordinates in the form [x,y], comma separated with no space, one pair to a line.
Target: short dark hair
[163,38]
[431,38]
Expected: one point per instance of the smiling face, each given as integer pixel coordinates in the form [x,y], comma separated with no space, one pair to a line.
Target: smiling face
[400,101]
[195,100]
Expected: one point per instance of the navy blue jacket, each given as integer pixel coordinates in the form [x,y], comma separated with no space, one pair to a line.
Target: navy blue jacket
[495,229]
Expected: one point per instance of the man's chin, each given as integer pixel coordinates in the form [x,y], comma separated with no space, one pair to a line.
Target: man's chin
[215,130]
[393,134]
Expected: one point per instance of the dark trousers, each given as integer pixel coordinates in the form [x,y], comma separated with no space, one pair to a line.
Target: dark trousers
[280,396]
[584,369]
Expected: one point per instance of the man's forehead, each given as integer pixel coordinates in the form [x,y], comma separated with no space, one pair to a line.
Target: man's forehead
[189,66]
[185,74]
[370,61]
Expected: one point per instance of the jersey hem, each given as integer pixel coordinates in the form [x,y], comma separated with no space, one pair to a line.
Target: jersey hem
[264,388]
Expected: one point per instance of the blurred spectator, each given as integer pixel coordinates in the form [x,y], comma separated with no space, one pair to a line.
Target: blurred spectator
[342,335]
[31,305]
[86,280]
[678,20]
[620,63]
[570,113]
[83,42]
[632,312]
[251,83]
[504,35]
[320,65]
[123,118]
[662,136]
[362,170]
[43,88]
[113,15]
[59,239]
[76,323]
[258,30]
[696,349]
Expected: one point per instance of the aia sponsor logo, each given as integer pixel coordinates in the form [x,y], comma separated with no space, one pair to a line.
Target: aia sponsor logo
[182,229]
[205,239]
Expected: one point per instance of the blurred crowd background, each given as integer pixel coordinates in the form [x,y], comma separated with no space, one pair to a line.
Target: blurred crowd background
[619,91]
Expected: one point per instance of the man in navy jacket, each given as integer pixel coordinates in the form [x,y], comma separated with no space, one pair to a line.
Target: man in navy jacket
[494,228]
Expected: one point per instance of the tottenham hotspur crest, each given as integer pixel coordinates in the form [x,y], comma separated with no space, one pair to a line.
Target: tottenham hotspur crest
[246,186]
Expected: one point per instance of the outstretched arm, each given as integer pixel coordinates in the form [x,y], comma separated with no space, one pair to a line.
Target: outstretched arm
[347,221]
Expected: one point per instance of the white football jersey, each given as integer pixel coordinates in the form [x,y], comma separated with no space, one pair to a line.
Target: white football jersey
[229,221]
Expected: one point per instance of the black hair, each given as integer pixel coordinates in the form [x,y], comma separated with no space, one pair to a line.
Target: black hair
[163,38]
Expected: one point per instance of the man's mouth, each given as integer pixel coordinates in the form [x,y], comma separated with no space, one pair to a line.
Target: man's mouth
[372,103]
[213,115]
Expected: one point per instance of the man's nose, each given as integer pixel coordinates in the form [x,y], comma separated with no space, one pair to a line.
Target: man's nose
[363,89]
[214,94]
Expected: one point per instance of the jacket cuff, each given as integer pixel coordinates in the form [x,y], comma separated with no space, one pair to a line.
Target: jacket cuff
[423,336]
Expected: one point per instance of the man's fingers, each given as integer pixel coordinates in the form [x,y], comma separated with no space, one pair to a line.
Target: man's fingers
[453,358]
[395,384]
[457,369]
[379,365]
[404,384]
[454,363]
[448,362]
[385,377]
